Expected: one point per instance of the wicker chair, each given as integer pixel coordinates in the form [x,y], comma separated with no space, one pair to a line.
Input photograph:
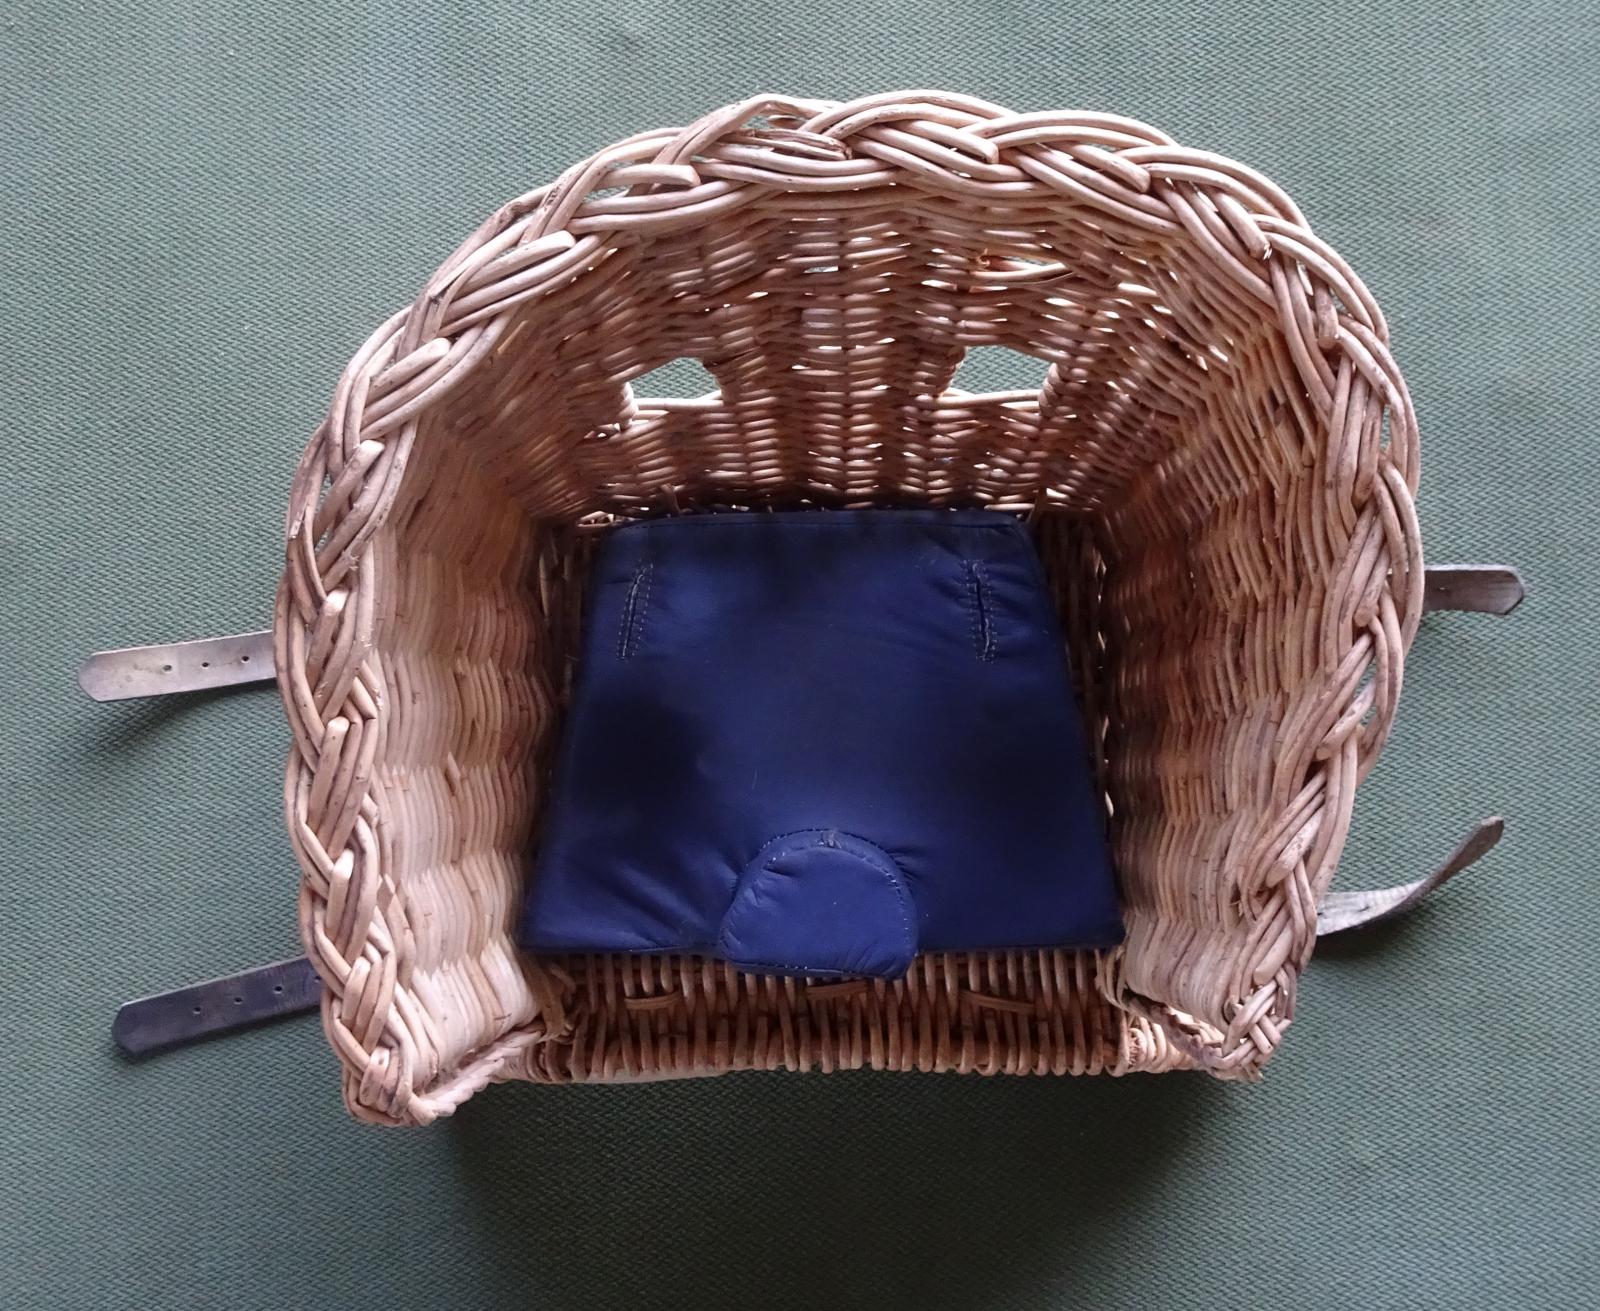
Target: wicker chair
[1219,462]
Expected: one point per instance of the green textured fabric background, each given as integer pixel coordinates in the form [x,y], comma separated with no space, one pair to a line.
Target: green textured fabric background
[204,209]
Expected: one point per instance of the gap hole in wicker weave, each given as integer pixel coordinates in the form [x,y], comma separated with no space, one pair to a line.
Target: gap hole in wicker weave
[681,379]
[987,369]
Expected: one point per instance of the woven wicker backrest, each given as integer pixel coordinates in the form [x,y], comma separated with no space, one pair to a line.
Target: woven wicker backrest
[1219,457]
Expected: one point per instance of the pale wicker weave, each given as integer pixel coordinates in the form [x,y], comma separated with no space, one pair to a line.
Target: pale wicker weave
[1220,466]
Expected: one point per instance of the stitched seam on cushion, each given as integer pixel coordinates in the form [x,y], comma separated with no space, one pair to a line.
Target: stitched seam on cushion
[633,611]
[892,875]
[981,604]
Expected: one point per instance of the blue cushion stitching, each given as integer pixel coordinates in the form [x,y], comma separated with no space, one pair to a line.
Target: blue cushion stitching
[985,609]
[633,611]
[980,605]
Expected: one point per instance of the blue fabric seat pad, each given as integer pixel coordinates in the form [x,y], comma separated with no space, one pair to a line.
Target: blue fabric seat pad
[820,742]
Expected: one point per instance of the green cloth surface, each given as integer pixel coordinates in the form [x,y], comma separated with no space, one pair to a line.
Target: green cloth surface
[205,208]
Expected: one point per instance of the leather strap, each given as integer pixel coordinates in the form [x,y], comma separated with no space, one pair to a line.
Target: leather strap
[170,1019]
[136,671]
[1338,911]
[1488,589]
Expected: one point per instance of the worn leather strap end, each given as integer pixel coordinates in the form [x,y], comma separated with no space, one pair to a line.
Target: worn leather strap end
[136,671]
[170,1019]
[1487,589]
[1338,911]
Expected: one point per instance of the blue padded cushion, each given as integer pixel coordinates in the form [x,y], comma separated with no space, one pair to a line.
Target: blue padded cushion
[819,743]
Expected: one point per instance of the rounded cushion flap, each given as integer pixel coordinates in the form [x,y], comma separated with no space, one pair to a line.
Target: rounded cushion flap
[821,902]
[898,676]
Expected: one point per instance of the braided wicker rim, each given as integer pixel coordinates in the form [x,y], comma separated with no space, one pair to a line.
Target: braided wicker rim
[1221,459]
